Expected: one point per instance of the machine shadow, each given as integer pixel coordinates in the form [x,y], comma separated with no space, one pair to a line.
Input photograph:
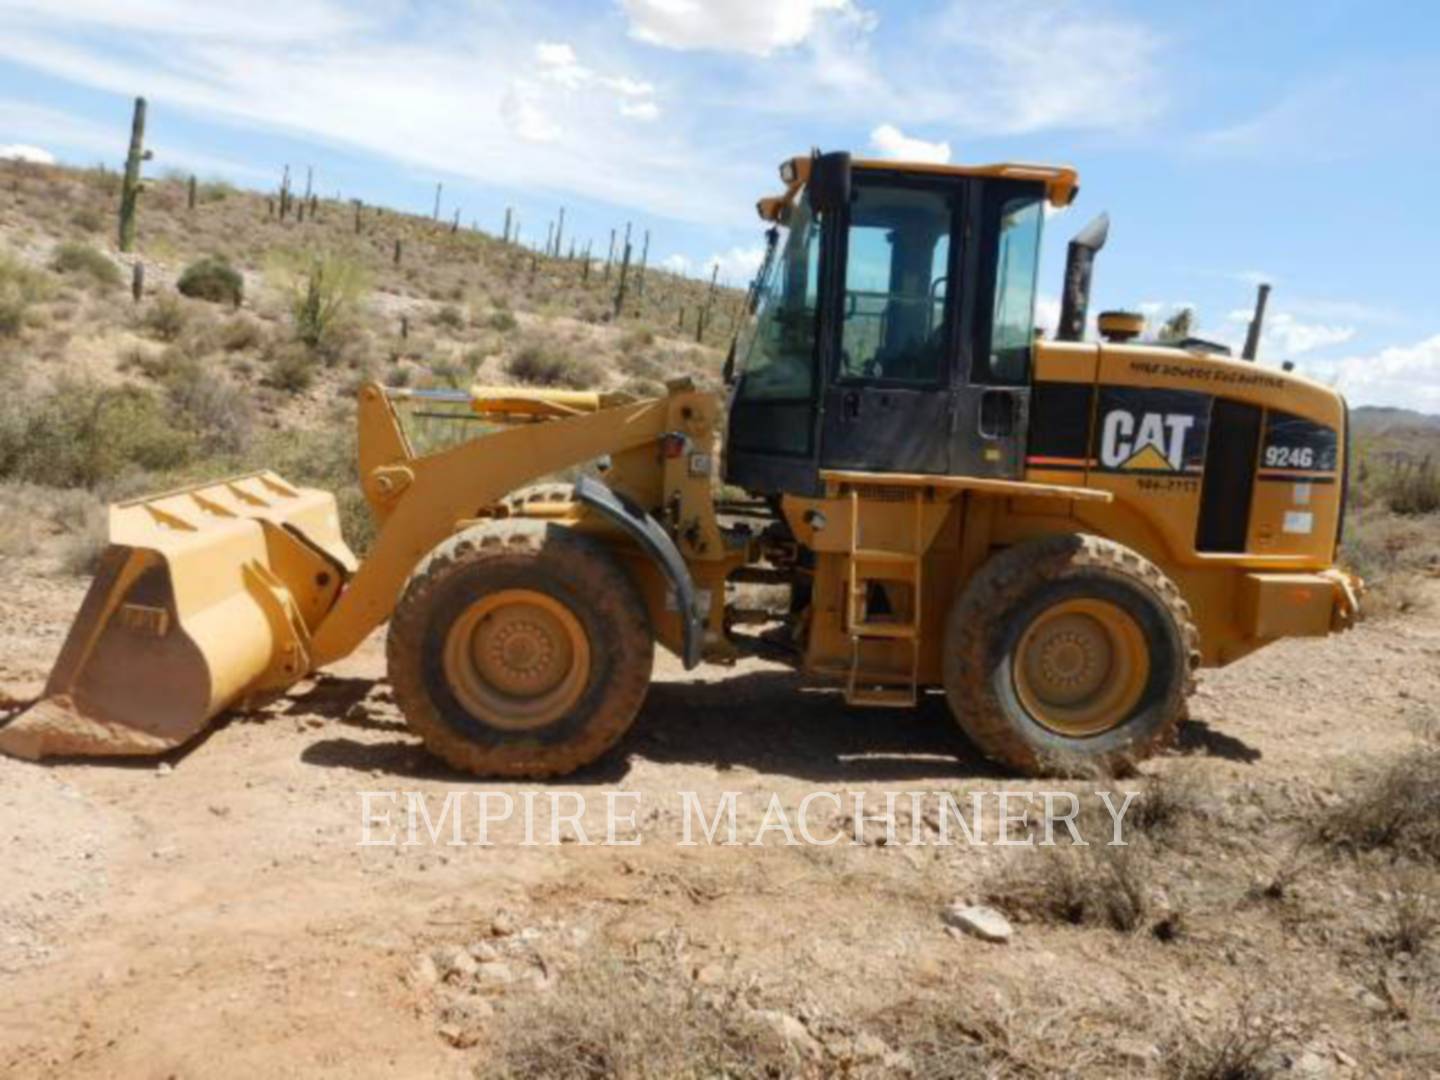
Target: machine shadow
[764,722]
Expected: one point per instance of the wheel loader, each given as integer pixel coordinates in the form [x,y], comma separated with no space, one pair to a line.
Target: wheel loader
[1053,534]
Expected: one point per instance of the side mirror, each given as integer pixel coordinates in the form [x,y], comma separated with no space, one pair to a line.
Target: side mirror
[829,184]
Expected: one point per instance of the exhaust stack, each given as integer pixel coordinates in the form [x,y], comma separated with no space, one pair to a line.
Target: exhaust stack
[1257,324]
[1079,261]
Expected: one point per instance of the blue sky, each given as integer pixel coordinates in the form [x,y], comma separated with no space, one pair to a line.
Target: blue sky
[1230,141]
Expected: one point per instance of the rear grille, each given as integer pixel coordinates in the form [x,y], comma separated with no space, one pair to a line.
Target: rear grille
[1229,479]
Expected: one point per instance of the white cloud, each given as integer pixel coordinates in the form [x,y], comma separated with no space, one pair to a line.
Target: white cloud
[890,142]
[1401,375]
[1047,313]
[22,152]
[451,95]
[1285,337]
[555,54]
[558,64]
[628,87]
[1042,65]
[255,21]
[737,266]
[756,27]
[640,110]
[525,115]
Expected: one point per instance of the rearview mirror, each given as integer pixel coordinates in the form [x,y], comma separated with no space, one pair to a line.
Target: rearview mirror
[830,181]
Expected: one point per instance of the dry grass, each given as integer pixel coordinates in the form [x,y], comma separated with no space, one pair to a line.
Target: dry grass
[542,364]
[88,264]
[1395,556]
[1244,1046]
[609,1018]
[1392,807]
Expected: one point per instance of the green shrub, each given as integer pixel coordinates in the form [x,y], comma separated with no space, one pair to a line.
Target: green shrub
[80,434]
[20,286]
[241,333]
[165,319]
[450,317]
[502,321]
[544,366]
[451,373]
[214,191]
[221,415]
[324,289]
[1411,487]
[214,279]
[292,369]
[87,220]
[87,262]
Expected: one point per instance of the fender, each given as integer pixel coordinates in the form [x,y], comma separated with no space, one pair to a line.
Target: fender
[656,543]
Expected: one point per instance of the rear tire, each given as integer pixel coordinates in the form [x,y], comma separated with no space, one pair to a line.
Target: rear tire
[1070,653]
[519,649]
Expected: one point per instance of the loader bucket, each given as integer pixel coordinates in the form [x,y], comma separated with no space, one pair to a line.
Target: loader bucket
[204,597]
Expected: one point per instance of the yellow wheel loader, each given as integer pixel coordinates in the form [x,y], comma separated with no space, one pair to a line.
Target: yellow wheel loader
[1055,533]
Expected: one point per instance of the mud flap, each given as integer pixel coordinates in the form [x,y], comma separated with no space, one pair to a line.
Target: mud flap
[204,596]
[656,543]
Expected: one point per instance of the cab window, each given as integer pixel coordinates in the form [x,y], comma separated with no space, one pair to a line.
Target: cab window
[893,323]
[1017,263]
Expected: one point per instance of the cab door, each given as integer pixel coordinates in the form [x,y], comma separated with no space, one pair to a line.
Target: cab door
[991,411]
[887,403]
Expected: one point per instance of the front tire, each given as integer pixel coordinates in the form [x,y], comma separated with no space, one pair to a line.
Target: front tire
[519,649]
[1068,653]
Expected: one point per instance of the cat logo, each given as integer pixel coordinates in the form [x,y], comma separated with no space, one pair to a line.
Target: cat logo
[1150,442]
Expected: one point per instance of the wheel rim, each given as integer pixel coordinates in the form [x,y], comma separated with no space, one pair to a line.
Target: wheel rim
[517,659]
[1081,667]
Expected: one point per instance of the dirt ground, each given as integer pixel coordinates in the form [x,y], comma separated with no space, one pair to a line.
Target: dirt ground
[214,914]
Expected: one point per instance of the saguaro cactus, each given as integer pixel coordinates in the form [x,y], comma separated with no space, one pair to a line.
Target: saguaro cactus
[130,189]
[190,201]
[644,258]
[624,273]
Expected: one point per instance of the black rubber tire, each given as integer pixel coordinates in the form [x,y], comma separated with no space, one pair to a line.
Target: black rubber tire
[988,620]
[545,557]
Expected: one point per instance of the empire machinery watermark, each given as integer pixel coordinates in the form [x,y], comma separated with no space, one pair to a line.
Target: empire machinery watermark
[483,818]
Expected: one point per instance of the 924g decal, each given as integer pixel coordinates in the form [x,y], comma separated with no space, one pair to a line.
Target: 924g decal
[1298,449]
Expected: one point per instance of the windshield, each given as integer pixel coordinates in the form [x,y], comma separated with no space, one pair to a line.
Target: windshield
[776,350]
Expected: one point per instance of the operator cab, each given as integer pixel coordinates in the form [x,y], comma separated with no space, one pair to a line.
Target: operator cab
[891,323]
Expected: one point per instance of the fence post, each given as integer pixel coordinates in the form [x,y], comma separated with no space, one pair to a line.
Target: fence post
[506,235]
[358,207]
[137,281]
[190,199]
[559,231]
[130,187]
[610,258]
[440,187]
[397,251]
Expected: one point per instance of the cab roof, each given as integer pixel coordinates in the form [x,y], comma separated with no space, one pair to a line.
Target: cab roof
[1062,183]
